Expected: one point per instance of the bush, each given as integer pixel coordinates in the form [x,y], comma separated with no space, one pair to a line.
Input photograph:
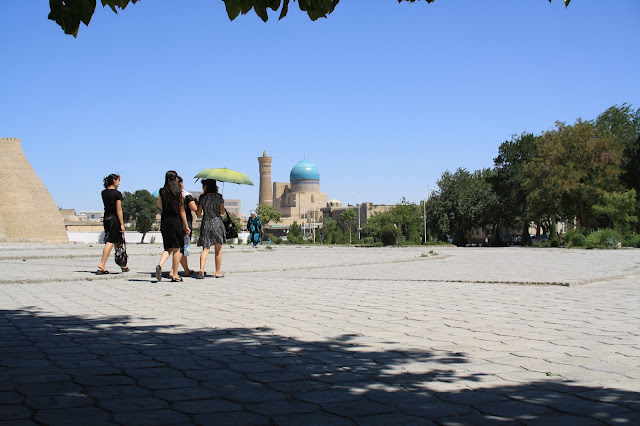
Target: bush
[368,240]
[273,238]
[631,240]
[577,240]
[388,236]
[378,244]
[604,238]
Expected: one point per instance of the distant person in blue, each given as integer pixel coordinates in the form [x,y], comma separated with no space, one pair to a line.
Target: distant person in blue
[254,228]
[112,222]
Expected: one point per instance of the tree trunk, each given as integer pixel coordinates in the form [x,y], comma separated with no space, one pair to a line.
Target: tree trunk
[142,240]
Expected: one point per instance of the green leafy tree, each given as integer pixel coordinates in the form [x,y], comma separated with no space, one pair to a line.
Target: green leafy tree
[508,182]
[618,210]
[623,124]
[348,218]
[573,167]
[328,232]
[268,214]
[295,234]
[140,207]
[70,13]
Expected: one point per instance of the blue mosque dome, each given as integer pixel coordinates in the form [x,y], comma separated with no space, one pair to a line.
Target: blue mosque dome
[304,170]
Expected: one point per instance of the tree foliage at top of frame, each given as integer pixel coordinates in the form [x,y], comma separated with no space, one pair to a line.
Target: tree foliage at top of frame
[68,14]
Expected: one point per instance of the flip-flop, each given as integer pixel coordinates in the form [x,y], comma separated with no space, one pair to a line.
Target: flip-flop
[101,272]
[220,276]
[158,273]
[125,269]
[176,280]
[200,277]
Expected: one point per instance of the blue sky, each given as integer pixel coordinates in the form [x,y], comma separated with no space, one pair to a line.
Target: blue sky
[381,99]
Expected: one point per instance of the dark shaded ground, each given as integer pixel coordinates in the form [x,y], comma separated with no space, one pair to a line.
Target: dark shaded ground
[64,370]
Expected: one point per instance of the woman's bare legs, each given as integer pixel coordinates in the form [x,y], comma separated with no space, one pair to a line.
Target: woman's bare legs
[203,258]
[175,262]
[106,251]
[185,264]
[218,254]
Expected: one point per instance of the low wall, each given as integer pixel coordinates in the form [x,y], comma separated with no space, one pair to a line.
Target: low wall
[94,237]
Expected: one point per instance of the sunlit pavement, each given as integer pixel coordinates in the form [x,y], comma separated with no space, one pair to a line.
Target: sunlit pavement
[299,335]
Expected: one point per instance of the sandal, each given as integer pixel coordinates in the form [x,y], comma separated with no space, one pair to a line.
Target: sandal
[158,273]
[176,280]
[200,277]
[220,276]
[125,269]
[102,272]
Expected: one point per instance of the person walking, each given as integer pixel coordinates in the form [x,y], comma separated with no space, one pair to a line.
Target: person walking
[212,233]
[189,207]
[113,223]
[173,224]
[254,228]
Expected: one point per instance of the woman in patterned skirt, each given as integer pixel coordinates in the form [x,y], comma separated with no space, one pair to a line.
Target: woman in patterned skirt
[212,233]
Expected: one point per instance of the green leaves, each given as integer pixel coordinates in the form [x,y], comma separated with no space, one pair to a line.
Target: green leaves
[314,8]
[566,2]
[69,13]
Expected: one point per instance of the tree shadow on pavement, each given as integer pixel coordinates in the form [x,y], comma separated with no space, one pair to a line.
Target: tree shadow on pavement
[74,369]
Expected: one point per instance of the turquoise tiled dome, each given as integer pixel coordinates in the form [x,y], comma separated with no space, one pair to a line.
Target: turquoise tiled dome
[304,170]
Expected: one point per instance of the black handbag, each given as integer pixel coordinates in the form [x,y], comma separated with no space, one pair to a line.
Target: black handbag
[121,255]
[230,229]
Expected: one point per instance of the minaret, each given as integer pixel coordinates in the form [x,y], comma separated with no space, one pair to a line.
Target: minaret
[266,193]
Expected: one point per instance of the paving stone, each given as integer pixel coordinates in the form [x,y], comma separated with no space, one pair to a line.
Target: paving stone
[46,389]
[117,391]
[356,408]
[11,398]
[59,401]
[167,382]
[282,407]
[185,394]
[65,416]
[231,418]
[436,410]
[141,373]
[326,396]
[312,419]
[138,403]
[512,409]
[154,417]
[204,406]
[392,419]
[15,412]
[478,419]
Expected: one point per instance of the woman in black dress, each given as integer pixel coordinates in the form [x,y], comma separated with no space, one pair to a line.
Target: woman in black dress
[173,224]
[211,208]
[112,222]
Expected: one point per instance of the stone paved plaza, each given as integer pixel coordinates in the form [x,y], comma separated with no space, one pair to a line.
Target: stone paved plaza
[298,335]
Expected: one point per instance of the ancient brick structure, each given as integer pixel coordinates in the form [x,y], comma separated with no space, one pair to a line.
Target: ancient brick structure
[27,210]
[266,194]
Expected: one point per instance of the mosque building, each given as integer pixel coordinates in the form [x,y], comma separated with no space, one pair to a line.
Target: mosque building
[298,200]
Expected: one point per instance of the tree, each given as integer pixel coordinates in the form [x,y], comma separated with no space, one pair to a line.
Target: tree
[573,167]
[142,208]
[268,214]
[295,234]
[70,13]
[508,182]
[348,217]
[623,124]
[618,210]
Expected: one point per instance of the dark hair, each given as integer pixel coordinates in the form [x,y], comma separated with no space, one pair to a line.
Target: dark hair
[179,179]
[171,194]
[212,187]
[108,181]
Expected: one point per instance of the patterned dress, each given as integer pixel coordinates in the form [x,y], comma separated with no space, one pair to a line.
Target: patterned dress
[212,228]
